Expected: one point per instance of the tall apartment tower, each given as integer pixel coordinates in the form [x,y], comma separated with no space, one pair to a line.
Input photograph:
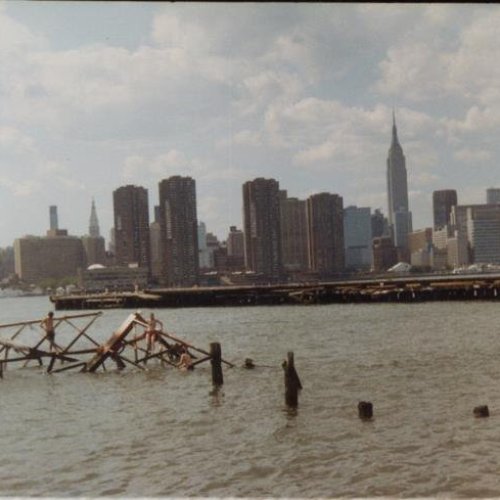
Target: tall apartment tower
[442,202]
[54,224]
[397,192]
[325,224]
[131,219]
[262,227]
[293,233]
[179,231]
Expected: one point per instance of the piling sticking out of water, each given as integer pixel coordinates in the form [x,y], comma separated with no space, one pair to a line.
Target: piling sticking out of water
[216,361]
[365,410]
[481,411]
[292,382]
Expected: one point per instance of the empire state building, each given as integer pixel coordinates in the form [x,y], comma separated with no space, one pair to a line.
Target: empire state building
[397,192]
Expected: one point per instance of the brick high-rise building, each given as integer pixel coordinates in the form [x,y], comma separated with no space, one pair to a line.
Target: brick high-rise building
[179,227]
[262,228]
[235,249]
[131,219]
[325,222]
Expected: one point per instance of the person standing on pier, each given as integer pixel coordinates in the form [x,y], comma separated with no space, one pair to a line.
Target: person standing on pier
[152,333]
[50,333]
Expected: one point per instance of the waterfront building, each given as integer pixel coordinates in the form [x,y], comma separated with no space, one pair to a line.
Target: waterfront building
[293,233]
[179,226]
[439,259]
[400,220]
[358,238]
[442,203]
[262,228]
[203,253]
[98,278]
[483,231]
[55,256]
[235,249]
[131,219]
[325,224]
[458,250]
[478,224]
[384,253]
[156,251]
[420,247]
[493,196]
[94,244]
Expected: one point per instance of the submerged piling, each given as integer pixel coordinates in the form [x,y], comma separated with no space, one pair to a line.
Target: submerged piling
[365,410]
[216,361]
[292,381]
[481,411]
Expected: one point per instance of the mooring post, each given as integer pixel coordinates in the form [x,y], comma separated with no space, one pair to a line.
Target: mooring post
[216,361]
[365,410]
[292,382]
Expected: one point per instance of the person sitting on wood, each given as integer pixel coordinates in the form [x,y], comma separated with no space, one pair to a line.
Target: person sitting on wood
[186,361]
[48,325]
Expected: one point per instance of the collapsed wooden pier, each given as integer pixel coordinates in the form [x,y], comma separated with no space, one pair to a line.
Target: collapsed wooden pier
[134,343]
[410,288]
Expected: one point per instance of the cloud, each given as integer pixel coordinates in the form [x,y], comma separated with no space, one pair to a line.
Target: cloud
[471,155]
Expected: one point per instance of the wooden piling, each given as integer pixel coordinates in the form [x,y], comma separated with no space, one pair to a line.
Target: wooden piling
[365,410]
[216,361]
[481,411]
[292,381]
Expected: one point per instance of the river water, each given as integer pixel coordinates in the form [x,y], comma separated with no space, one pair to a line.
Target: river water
[165,433]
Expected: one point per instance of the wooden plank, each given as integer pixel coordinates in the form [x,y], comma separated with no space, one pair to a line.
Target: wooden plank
[38,321]
[112,344]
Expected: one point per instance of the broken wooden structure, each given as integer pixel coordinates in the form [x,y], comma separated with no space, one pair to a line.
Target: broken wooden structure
[134,343]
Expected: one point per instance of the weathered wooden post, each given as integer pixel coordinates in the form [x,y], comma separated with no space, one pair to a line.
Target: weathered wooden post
[216,361]
[481,411]
[292,381]
[365,410]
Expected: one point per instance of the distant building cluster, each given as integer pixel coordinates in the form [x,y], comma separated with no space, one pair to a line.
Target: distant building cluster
[282,238]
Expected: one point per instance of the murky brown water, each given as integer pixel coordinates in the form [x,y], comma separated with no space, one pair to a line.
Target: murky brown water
[162,433]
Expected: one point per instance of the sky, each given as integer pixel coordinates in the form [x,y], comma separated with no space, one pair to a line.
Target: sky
[97,95]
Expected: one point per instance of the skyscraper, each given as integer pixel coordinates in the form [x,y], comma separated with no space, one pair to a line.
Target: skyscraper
[442,201]
[358,237]
[54,224]
[93,222]
[93,244]
[179,230]
[293,233]
[262,227]
[397,192]
[131,218]
[325,226]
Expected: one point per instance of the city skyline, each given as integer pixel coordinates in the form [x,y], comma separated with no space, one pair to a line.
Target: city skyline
[302,93]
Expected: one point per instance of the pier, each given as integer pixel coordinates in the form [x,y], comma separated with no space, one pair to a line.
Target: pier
[402,289]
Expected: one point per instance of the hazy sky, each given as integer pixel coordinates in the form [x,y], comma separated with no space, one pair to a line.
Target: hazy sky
[97,95]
